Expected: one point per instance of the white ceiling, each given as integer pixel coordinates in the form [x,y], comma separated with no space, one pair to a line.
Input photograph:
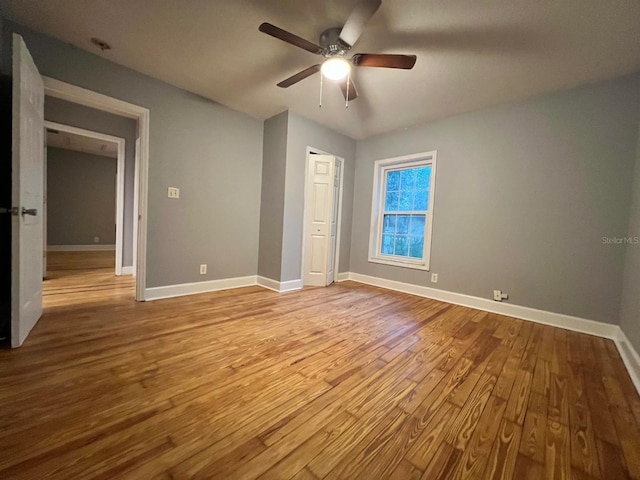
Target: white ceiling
[471,53]
[79,143]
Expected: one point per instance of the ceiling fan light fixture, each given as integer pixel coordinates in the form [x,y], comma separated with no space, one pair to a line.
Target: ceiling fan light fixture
[335,68]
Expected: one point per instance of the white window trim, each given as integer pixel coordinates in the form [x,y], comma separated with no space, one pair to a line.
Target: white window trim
[377,205]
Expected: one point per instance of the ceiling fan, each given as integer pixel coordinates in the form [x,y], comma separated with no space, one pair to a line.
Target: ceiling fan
[334,45]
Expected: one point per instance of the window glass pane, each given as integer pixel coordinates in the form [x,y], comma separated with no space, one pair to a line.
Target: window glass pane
[423,178]
[402,247]
[391,202]
[416,246]
[406,200]
[387,244]
[402,225]
[406,190]
[389,225]
[408,179]
[393,180]
[421,200]
[417,225]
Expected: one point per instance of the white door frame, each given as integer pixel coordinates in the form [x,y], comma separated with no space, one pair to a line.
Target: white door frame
[305,228]
[119,178]
[136,188]
[66,91]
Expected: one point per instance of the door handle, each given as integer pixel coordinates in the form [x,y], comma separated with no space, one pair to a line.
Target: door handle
[29,211]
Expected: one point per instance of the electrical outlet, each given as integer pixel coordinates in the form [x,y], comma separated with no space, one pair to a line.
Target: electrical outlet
[434,278]
[173,192]
[203,269]
[498,296]
[96,239]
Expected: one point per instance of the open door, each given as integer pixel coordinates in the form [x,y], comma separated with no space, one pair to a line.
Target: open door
[27,181]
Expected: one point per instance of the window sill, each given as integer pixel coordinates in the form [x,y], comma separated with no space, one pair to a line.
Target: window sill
[399,263]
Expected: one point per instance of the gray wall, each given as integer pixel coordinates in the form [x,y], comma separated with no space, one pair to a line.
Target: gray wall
[213,154]
[630,309]
[274,159]
[68,113]
[81,198]
[524,194]
[302,133]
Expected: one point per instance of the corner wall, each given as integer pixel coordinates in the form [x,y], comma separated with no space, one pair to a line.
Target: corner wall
[525,193]
[274,162]
[630,305]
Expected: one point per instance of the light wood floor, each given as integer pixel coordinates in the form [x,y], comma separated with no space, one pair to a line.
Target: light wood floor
[348,381]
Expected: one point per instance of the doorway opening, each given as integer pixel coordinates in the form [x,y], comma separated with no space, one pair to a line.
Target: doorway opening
[322,218]
[71,93]
[84,196]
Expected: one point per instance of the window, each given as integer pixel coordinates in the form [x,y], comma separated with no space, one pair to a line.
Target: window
[402,211]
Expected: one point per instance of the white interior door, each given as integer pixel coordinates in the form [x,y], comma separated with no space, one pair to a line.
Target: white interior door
[318,215]
[27,193]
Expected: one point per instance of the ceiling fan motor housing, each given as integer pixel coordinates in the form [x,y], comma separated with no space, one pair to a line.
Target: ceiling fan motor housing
[331,44]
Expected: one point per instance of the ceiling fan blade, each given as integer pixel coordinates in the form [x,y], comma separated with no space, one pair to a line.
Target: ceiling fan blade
[354,25]
[384,60]
[289,38]
[307,72]
[353,91]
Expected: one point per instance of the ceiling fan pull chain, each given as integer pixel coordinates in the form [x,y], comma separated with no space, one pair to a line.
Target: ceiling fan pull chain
[346,100]
[320,104]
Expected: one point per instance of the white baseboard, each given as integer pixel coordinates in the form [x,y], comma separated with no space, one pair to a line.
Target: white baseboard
[127,270]
[156,293]
[80,248]
[342,277]
[568,322]
[279,287]
[268,283]
[630,357]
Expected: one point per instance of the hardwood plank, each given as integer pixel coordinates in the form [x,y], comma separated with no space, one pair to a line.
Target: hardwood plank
[557,454]
[304,474]
[629,434]
[405,471]
[603,425]
[366,450]
[502,461]
[443,463]
[533,443]
[423,450]
[517,405]
[558,409]
[611,461]
[584,455]
[308,450]
[474,457]
[527,469]
[466,422]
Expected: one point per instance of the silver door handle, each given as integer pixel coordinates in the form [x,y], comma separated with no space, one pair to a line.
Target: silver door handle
[29,211]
